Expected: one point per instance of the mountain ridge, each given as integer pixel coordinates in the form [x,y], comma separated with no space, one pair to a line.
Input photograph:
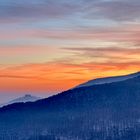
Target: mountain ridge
[23,99]
[110,79]
[67,93]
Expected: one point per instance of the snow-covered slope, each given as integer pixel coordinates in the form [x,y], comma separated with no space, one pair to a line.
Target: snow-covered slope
[108,80]
[24,99]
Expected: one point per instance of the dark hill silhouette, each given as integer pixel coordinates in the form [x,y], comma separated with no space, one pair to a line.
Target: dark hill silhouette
[109,111]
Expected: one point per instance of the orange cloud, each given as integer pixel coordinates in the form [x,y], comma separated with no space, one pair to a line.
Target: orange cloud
[58,76]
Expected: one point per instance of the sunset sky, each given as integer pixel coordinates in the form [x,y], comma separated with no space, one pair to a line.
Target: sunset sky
[47,46]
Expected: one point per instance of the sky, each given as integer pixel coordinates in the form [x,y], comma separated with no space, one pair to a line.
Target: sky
[47,46]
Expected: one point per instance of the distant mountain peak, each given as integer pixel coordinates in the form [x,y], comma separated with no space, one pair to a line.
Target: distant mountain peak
[28,95]
[23,99]
[105,80]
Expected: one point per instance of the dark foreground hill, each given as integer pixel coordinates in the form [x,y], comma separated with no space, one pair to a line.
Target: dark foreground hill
[108,111]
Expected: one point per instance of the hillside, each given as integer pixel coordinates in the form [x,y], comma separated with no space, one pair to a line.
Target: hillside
[107,111]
